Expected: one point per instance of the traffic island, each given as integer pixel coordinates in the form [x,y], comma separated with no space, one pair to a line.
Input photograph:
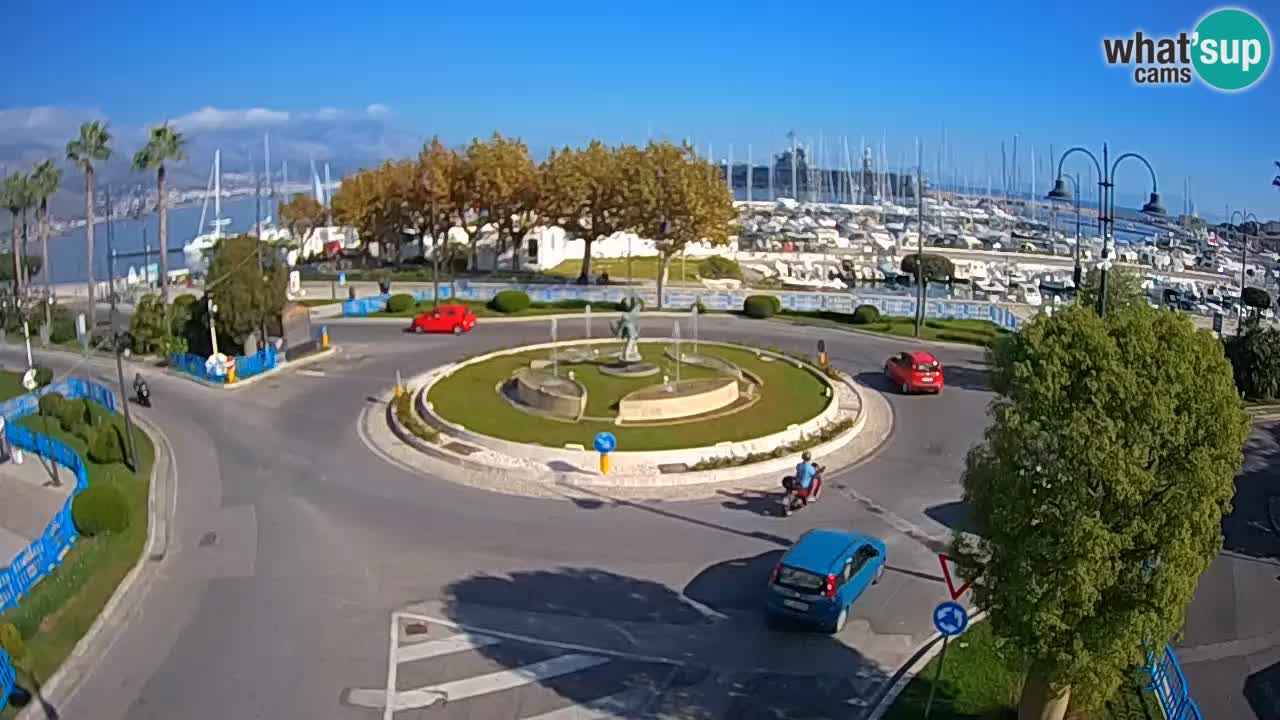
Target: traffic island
[761,410]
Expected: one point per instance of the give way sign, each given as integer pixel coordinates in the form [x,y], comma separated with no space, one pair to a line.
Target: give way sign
[946,562]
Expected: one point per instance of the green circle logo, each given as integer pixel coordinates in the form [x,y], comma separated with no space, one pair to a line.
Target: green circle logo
[1232,49]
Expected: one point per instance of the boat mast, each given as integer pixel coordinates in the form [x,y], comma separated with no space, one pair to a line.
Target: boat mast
[271,186]
[217,193]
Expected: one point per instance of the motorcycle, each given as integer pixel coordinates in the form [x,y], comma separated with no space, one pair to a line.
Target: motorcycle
[796,497]
[144,395]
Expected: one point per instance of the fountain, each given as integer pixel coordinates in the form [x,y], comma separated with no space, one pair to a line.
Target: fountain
[629,363]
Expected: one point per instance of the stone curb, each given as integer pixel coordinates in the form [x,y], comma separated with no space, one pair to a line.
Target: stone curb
[275,372]
[102,633]
[829,415]
[905,674]
[1264,413]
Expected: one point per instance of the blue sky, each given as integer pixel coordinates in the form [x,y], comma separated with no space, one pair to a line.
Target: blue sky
[741,73]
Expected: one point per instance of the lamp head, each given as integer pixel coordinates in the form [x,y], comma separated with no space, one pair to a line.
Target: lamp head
[1153,206]
[1060,192]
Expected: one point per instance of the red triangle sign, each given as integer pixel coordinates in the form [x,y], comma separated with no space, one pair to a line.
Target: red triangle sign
[945,560]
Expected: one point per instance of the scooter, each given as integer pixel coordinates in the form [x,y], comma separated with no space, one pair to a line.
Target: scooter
[795,497]
[144,395]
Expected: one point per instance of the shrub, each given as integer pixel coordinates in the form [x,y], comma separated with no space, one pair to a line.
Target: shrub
[51,403]
[84,431]
[11,641]
[1255,362]
[760,306]
[62,330]
[44,376]
[718,268]
[509,301]
[180,315]
[106,447]
[866,315]
[100,509]
[400,302]
[72,412]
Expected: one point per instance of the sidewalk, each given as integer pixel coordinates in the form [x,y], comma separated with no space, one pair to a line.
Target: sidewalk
[28,501]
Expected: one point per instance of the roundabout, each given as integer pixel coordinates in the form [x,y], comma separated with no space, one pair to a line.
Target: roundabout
[318,534]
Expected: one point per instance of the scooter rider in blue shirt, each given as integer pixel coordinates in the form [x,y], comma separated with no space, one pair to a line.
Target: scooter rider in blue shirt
[805,471]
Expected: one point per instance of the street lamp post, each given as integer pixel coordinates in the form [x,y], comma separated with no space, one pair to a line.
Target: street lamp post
[1244,257]
[1077,273]
[1106,204]
[920,299]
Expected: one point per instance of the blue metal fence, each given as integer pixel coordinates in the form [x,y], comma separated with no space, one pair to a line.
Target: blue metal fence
[1170,686]
[681,298]
[46,552]
[246,366]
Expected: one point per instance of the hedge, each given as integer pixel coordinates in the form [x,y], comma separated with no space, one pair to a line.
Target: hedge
[400,302]
[107,446]
[760,306]
[100,509]
[509,301]
[866,315]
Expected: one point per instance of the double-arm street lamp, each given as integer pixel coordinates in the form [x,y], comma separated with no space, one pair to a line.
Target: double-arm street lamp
[1245,216]
[1077,274]
[1106,204]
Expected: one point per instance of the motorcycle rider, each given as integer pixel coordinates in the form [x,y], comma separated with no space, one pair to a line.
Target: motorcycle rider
[805,472]
[139,385]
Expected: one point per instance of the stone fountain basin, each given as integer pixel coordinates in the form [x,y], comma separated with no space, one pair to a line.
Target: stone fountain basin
[669,401]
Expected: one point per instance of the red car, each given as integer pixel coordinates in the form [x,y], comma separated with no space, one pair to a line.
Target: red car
[915,371]
[455,319]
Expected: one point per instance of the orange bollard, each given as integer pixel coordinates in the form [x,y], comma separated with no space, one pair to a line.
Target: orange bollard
[604,463]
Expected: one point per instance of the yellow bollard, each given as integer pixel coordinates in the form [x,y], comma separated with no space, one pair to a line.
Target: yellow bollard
[604,463]
[822,359]
[324,336]
[231,373]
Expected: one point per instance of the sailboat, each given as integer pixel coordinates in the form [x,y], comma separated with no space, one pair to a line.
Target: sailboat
[196,251]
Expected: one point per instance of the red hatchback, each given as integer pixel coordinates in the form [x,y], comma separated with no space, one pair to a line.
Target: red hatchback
[455,319]
[915,371]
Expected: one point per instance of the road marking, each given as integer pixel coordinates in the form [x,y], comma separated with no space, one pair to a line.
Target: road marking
[611,707]
[311,373]
[448,646]
[471,687]
[388,693]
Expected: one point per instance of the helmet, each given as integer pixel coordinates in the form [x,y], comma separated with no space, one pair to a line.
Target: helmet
[807,456]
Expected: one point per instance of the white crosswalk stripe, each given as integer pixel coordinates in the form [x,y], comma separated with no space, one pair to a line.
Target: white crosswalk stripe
[495,682]
[611,707]
[448,646]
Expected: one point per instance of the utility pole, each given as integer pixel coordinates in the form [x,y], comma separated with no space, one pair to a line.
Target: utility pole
[262,274]
[117,342]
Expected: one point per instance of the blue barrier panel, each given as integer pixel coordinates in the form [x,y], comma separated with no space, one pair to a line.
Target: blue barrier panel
[193,365]
[7,678]
[1170,686]
[249,365]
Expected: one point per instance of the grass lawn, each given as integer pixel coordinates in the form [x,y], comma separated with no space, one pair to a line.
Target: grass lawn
[977,684]
[60,609]
[317,302]
[10,385]
[642,268]
[971,332]
[790,395]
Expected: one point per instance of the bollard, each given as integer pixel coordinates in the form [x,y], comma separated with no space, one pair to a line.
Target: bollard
[324,336]
[231,372]
[399,389]
[822,359]
[604,463]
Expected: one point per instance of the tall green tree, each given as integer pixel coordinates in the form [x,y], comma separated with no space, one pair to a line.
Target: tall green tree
[165,145]
[15,195]
[1098,493]
[583,192]
[92,145]
[927,268]
[1124,289]
[675,199]
[246,298]
[45,179]
[302,214]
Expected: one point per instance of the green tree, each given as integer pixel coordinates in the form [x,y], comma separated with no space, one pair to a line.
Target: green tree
[584,194]
[1124,289]
[302,214]
[1256,299]
[506,182]
[45,179]
[148,325]
[1255,361]
[927,268]
[92,145]
[245,299]
[675,199]
[165,145]
[1098,502]
[15,195]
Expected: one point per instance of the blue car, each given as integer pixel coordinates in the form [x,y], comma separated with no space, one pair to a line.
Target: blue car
[822,575]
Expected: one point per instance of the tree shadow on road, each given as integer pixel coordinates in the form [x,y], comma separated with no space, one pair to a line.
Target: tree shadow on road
[956,515]
[1253,527]
[1262,691]
[693,676]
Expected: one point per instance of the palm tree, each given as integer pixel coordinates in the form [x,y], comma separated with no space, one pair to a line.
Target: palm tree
[44,183]
[14,195]
[164,145]
[91,146]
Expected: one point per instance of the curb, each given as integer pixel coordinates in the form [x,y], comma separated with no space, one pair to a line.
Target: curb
[908,671]
[870,333]
[161,500]
[372,320]
[274,372]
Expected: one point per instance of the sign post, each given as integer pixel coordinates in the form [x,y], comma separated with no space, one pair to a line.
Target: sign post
[604,444]
[950,618]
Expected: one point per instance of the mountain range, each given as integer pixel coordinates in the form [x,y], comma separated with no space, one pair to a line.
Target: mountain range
[346,139]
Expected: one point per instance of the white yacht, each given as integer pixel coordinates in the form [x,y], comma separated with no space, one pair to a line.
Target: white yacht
[197,250]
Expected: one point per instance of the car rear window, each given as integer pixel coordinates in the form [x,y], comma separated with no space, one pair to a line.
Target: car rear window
[927,367]
[800,579]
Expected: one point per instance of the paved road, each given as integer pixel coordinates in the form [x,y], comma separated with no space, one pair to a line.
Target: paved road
[293,543]
[1231,647]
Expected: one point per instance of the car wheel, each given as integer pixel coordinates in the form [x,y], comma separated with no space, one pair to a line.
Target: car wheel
[419,329]
[841,620]
[906,389]
[457,329]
